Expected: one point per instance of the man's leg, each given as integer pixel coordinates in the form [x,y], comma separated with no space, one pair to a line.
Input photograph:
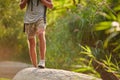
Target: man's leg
[32,51]
[42,46]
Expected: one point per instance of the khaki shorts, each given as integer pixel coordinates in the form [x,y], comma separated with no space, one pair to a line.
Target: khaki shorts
[31,29]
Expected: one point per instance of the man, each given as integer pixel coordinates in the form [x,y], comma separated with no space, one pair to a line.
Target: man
[35,24]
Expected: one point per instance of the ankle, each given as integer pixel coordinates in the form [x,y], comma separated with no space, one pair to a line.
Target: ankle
[42,63]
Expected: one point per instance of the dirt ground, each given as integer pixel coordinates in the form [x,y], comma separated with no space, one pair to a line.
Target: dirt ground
[8,69]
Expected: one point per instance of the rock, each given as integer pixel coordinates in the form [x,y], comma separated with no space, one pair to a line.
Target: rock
[8,69]
[50,74]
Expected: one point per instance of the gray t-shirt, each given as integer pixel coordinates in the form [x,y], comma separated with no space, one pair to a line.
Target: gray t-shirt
[35,14]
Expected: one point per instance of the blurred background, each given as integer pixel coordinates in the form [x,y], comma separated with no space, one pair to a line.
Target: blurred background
[79,34]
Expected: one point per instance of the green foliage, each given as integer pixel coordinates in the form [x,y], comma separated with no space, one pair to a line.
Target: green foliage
[72,29]
[11,32]
[60,48]
[4,79]
[107,60]
[111,28]
[70,25]
[85,65]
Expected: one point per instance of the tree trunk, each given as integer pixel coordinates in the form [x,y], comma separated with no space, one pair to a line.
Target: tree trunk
[102,70]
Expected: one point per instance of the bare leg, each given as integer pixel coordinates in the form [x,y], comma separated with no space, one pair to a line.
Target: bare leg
[32,51]
[42,46]
[42,40]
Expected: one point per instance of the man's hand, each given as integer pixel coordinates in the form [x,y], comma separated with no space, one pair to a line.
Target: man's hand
[23,4]
[50,5]
[47,3]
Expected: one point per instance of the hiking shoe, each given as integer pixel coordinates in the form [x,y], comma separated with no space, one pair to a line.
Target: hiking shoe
[40,66]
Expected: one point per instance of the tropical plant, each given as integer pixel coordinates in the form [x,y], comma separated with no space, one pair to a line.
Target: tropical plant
[105,67]
[111,28]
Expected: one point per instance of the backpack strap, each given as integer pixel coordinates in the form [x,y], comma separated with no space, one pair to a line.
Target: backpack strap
[45,11]
[31,1]
[38,2]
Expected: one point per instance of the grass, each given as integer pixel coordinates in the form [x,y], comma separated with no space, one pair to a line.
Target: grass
[4,79]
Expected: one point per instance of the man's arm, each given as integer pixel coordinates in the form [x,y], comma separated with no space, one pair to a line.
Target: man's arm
[23,4]
[47,3]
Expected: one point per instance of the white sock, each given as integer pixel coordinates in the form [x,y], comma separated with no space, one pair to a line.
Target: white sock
[42,63]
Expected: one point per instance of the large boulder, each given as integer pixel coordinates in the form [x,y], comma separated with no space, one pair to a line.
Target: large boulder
[50,74]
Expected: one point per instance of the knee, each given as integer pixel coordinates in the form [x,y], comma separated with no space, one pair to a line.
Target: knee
[31,42]
[41,33]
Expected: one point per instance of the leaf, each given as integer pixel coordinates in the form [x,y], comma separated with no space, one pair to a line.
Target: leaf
[116,48]
[84,69]
[105,15]
[102,26]
[113,17]
[117,8]
[109,38]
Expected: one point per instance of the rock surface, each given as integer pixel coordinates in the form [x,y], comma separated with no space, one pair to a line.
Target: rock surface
[8,69]
[50,74]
